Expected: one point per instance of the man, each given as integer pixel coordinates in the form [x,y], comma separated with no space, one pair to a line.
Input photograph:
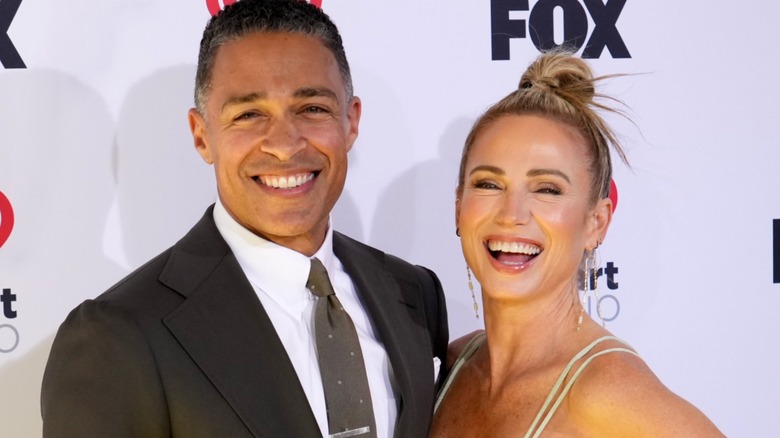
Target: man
[215,336]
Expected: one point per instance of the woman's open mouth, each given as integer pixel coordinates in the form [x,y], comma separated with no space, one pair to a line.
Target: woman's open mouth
[512,253]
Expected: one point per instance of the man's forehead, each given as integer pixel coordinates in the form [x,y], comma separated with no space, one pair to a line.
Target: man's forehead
[270,39]
[298,62]
[274,51]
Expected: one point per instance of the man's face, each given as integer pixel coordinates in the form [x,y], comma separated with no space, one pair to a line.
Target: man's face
[277,129]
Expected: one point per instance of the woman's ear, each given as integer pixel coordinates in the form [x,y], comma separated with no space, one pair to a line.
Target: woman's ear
[599,222]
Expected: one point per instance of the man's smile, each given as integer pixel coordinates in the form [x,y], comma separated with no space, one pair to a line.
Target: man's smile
[285,182]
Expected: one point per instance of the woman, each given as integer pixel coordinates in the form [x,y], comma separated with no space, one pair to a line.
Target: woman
[532,206]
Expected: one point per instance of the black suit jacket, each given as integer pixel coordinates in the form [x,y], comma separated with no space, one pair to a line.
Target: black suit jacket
[183,347]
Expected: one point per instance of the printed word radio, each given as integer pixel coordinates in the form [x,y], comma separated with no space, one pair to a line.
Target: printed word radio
[9,336]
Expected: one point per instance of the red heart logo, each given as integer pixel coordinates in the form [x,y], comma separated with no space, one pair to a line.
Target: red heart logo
[6,218]
[215,6]
[613,194]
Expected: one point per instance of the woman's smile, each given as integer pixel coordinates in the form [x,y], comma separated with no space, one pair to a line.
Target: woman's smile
[511,255]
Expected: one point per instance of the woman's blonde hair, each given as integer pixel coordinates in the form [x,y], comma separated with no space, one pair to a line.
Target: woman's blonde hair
[560,87]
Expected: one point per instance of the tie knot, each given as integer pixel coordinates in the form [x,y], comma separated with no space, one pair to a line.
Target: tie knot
[318,282]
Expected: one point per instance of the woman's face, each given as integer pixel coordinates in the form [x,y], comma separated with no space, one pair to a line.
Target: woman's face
[524,211]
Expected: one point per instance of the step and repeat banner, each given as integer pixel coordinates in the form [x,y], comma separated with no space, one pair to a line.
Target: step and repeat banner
[98,173]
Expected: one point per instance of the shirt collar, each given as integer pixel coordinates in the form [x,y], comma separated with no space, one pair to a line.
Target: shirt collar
[275,270]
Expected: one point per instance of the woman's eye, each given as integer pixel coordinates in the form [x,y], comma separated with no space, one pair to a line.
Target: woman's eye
[549,189]
[485,184]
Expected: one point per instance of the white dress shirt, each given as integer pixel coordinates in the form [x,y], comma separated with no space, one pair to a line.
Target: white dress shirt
[278,276]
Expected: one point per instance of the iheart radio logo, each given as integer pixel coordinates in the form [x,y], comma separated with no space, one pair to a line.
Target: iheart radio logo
[6,218]
[216,5]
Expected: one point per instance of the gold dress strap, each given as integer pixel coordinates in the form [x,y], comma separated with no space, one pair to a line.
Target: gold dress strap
[537,427]
[468,351]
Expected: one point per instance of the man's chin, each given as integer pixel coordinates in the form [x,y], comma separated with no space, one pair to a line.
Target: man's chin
[294,235]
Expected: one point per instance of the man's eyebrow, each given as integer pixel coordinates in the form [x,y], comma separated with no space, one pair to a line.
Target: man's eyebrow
[539,172]
[315,92]
[487,168]
[251,97]
[299,93]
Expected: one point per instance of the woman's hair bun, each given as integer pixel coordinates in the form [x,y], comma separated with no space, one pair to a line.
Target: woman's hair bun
[562,87]
[561,73]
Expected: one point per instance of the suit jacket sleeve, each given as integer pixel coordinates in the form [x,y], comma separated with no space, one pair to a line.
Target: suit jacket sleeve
[101,378]
[436,311]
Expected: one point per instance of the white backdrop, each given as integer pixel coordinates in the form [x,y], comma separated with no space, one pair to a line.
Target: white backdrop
[97,163]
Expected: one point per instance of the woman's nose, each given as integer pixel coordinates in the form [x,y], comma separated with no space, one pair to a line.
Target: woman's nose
[514,210]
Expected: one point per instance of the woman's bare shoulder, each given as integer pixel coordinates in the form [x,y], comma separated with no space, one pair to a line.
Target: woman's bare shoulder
[456,347]
[618,395]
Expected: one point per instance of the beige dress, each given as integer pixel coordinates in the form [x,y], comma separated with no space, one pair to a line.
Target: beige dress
[556,395]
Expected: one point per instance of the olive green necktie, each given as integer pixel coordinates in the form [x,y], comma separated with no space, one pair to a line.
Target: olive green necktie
[347,396]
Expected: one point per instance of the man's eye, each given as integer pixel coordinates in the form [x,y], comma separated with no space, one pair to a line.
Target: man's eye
[315,110]
[247,116]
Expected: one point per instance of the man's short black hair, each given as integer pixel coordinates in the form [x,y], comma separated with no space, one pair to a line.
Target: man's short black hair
[250,16]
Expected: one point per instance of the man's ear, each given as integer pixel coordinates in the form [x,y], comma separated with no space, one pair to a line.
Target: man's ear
[354,110]
[198,130]
[457,210]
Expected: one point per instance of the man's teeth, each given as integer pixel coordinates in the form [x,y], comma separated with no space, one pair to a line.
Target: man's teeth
[286,182]
[514,247]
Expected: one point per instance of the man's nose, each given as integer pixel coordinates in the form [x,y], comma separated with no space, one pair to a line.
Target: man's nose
[283,139]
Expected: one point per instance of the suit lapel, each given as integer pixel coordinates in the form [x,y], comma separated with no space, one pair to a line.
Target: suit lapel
[224,328]
[393,306]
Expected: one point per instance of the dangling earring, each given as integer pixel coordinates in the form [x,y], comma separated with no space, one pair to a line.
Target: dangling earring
[594,280]
[473,295]
[590,277]
[595,263]
[584,276]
